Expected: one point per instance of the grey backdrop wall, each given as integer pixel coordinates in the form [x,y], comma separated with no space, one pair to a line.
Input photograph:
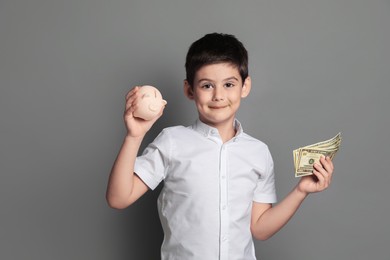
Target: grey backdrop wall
[318,67]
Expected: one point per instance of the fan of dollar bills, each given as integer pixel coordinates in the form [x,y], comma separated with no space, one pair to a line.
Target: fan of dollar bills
[306,157]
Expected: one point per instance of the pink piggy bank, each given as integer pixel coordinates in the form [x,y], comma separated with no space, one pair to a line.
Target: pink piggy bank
[149,103]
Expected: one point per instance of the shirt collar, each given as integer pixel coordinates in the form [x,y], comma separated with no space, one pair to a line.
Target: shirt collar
[206,130]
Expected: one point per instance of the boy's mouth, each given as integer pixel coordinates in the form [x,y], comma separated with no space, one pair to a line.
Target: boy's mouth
[217,107]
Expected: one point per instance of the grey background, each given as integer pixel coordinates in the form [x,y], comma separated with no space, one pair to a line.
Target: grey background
[318,67]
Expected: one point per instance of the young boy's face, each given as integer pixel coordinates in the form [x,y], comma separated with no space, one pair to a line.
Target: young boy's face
[217,91]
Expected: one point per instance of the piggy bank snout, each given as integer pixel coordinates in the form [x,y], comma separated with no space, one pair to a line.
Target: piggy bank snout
[156,106]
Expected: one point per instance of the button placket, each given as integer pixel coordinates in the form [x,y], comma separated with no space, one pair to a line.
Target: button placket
[224,216]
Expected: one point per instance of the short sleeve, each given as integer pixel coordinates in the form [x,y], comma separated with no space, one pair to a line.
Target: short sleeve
[265,189]
[152,164]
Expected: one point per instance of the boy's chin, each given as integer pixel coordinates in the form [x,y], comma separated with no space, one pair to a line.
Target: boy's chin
[216,120]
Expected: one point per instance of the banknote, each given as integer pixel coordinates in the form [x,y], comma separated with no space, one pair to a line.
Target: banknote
[305,157]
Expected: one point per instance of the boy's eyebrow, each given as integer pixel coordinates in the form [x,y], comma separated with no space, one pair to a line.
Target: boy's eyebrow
[227,79]
[230,78]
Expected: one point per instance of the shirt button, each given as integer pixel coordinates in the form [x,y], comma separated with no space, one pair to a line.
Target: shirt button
[224,207]
[224,238]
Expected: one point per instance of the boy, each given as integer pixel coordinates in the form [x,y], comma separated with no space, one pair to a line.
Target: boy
[218,181]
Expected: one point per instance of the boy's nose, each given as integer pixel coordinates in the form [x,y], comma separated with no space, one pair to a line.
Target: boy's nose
[218,94]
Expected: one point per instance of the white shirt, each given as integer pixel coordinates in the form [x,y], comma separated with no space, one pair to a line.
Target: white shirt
[209,186]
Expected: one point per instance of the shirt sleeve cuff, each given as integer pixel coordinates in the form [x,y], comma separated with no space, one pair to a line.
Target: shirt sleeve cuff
[265,198]
[146,177]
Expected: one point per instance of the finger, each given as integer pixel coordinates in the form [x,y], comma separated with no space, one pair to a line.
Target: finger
[131,101]
[132,92]
[130,110]
[327,164]
[318,168]
[127,106]
[325,174]
[329,160]
[321,183]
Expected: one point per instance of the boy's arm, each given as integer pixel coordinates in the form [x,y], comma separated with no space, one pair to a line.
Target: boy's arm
[124,187]
[267,220]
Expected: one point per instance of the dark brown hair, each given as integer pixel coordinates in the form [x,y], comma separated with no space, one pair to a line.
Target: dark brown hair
[216,48]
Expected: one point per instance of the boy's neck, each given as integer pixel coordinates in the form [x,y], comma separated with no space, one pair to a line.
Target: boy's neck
[227,134]
[226,130]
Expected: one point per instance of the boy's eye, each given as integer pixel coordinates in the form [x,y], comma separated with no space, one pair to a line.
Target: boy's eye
[207,86]
[229,85]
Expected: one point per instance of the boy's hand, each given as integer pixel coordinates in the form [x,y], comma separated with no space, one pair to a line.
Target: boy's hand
[136,127]
[321,178]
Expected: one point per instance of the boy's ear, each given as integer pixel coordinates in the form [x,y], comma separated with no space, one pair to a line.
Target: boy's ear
[188,91]
[246,87]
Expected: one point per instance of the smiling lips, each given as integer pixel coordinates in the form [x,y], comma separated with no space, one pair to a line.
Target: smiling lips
[212,107]
[217,107]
